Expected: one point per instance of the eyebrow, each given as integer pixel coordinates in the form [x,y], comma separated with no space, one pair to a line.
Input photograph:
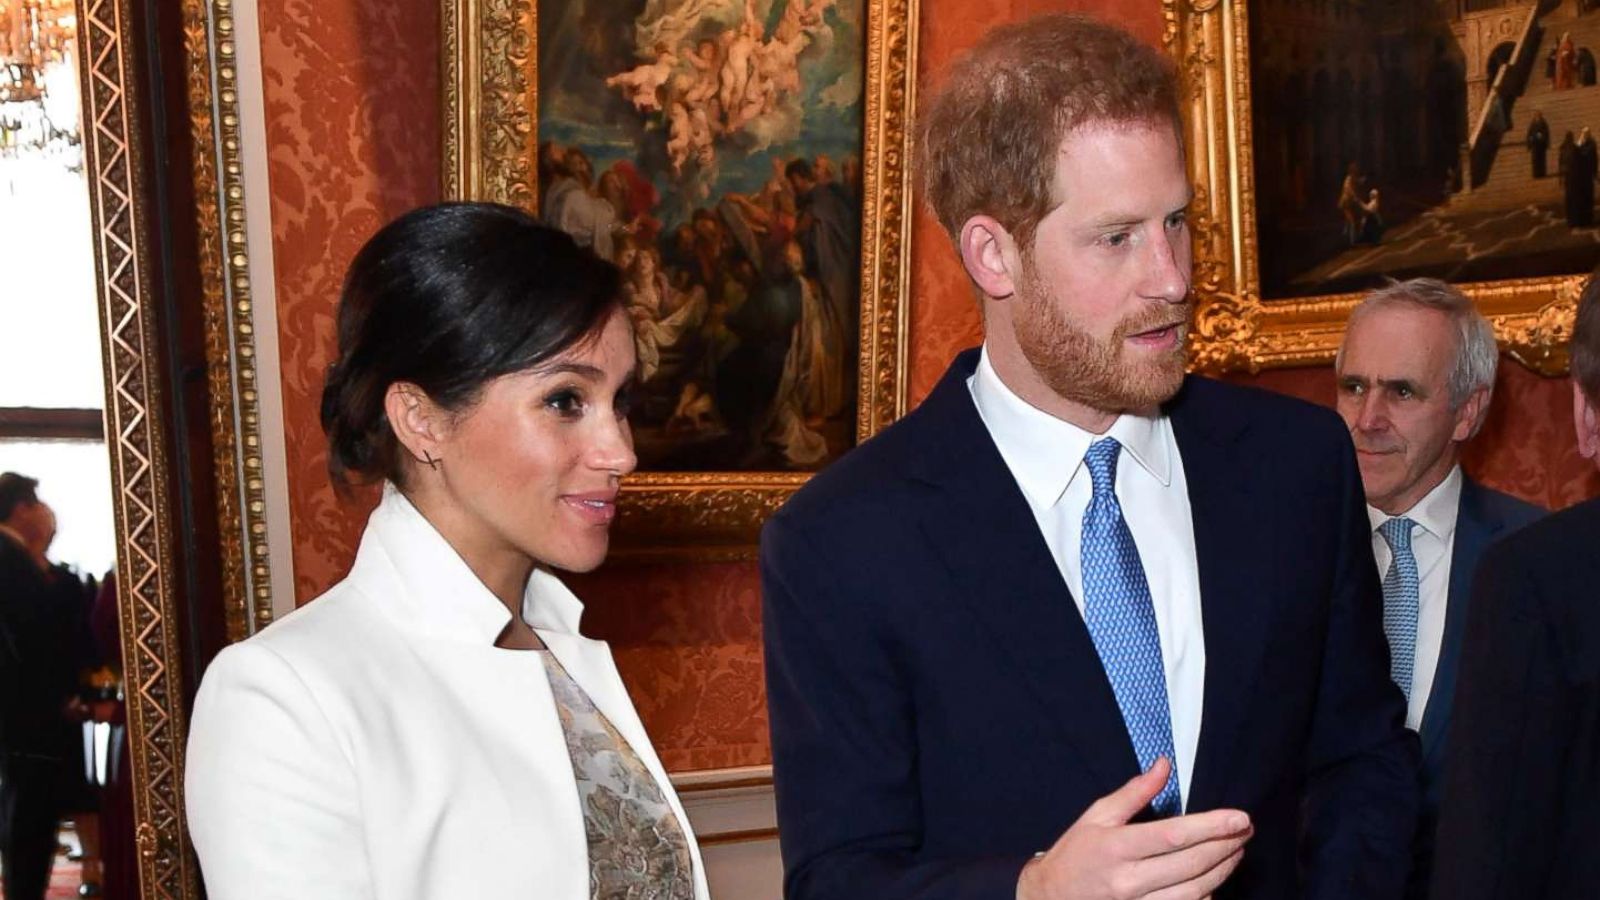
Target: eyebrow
[1126,219]
[1406,383]
[1385,383]
[582,370]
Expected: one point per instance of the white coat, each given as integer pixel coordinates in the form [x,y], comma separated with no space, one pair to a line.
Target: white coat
[376,744]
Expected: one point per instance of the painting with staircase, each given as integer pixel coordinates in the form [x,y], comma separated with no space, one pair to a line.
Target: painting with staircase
[1399,138]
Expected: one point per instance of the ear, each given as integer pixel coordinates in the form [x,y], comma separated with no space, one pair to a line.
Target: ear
[990,256]
[1469,418]
[1586,422]
[418,423]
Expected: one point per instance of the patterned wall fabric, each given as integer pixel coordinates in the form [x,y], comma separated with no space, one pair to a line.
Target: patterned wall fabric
[354,134]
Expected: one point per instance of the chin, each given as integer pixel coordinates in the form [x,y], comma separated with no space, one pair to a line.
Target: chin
[580,559]
[1152,384]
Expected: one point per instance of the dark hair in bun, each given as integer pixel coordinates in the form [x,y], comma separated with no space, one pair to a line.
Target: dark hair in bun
[450,297]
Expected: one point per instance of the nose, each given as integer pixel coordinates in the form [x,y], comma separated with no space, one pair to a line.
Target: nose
[1167,276]
[1373,413]
[612,450]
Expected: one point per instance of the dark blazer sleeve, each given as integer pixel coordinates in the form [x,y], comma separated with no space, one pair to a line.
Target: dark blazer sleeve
[1477,775]
[1361,797]
[844,744]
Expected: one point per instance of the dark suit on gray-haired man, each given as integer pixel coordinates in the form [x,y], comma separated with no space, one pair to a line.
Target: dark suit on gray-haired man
[1415,377]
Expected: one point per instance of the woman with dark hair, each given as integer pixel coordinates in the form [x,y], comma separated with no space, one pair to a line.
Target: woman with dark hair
[434,726]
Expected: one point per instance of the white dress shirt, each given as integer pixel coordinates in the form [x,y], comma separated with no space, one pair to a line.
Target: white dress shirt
[377,744]
[1045,455]
[1433,540]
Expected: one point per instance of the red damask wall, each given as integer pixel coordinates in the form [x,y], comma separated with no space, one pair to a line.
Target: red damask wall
[354,131]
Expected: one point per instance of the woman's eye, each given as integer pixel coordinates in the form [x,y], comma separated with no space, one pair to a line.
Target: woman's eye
[622,404]
[566,403]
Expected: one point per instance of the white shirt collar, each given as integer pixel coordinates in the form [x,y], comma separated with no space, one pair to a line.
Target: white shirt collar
[437,592]
[1436,512]
[1045,453]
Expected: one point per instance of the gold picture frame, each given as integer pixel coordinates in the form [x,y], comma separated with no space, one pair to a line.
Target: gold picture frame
[490,102]
[117,160]
[1234,328]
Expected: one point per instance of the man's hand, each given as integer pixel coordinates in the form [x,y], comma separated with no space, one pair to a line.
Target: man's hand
[1102,857]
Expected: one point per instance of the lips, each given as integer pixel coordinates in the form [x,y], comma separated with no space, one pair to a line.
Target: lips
[1168,334]
[595,507]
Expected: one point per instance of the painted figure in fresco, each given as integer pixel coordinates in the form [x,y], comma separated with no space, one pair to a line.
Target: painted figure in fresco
[642,85]
[1538,141]
[1350,203]
[1580,181]
[1371,219]
[828,229]
[574,205]
[1566,63]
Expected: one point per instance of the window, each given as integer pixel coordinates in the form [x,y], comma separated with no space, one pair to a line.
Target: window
[51,385]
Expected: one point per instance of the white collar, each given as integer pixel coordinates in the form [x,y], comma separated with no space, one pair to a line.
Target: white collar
[1436,512]
[1044,453]
[437,592]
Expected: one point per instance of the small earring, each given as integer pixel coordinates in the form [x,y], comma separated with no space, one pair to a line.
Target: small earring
[428,458]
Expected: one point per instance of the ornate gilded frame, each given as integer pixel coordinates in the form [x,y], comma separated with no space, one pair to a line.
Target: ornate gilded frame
[490,103]
[228,308]
[111,34]
[1234,328]
[115,161]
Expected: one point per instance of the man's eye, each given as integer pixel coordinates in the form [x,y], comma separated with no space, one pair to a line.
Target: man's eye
[1117,239]
[1177,220]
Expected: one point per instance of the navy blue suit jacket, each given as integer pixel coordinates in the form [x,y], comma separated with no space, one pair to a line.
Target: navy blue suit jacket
[1521,812]
[939,712]
[1484,516]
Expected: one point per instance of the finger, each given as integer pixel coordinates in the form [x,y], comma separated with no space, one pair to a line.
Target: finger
[1183,866]
[1149,839]
[1117,807]
[1203,886]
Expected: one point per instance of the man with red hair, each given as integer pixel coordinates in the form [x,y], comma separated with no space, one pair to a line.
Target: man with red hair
[1080,626]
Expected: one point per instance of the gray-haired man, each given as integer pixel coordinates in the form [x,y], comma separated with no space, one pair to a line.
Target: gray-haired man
[1415,375]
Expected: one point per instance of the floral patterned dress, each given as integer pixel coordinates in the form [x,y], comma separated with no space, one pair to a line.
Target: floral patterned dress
[637,847]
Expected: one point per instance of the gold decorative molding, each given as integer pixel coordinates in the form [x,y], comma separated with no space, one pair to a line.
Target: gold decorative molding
[491,102]
[213,91]
[1234,328]
[140,473]
[490,84]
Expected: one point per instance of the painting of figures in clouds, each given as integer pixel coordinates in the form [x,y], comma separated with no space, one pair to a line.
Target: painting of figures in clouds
[712,150]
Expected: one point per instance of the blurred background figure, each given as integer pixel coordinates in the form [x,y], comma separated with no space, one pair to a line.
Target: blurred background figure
[44,609]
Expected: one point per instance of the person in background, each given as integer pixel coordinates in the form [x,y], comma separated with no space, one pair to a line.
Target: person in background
[42,619]
[1520,814]
[435,726]
[1415,376]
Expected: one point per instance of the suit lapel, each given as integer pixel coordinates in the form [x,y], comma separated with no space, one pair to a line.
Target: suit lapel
[983,531]
[1474,530]
[1235,611]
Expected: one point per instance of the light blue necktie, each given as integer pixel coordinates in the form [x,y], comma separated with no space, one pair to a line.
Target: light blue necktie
[1402,590]
[1122,622]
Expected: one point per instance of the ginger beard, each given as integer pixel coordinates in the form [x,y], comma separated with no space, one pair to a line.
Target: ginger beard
[1108,374]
